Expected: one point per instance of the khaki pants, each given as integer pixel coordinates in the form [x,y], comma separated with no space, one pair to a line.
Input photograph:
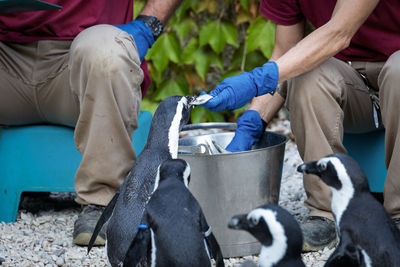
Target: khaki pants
[91,83]
[333,99]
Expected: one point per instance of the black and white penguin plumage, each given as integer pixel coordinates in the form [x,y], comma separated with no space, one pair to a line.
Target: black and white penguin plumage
[174,231]
[278,232]
[367,235]
[125,210]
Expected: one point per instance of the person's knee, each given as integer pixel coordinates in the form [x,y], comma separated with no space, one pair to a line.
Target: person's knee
[390,72]
[303,86]
[104,49]
[389,93]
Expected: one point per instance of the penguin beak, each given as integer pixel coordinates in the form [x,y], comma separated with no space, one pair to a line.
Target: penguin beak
[309,168]
[239,222]
[201,99]
[191,101]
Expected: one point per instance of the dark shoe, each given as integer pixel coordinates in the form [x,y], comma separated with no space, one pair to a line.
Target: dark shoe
[397,222]
[318,233]
[85,224]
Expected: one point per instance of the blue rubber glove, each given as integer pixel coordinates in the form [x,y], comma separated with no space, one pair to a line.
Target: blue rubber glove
[235,92]
[250,128]
[142,35]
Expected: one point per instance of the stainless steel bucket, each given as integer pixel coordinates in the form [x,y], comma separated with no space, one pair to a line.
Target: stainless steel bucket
[233,183]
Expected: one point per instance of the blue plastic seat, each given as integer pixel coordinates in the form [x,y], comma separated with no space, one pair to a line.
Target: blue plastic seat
[44,158]
[368,149]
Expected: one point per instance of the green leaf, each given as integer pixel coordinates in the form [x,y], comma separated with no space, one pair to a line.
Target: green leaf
[217,61]
[156,76]
[202,63]
[207,32]
[214,116]
[230,74]
[149,105]
[245,4]
[210,5]
[201,114]
[254,59]
[237,58]
[217,34]
[184,7]
[202,60]
[171,87]
[190,49]
[261,35]
[229,32]
[198,114]
[184,27]
[137,7]
[165,49]
[244,16]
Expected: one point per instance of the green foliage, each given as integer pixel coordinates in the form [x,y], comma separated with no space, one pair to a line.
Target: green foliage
[204,42]
[253,40]
[217,34]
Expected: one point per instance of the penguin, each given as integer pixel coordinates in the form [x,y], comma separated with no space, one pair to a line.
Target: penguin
[174,230]
[125,210]
[278,232]
[367,235]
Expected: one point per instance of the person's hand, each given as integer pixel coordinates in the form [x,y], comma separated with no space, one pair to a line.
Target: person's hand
[142,35]
[235,92]
[250,128]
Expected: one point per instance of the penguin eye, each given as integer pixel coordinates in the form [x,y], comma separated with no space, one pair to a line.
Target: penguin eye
[254,220]
[322,165]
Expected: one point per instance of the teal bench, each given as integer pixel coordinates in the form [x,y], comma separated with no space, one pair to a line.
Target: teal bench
[368,149]
[43,158]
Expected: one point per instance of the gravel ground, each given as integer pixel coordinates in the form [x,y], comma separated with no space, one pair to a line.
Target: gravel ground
[45,238]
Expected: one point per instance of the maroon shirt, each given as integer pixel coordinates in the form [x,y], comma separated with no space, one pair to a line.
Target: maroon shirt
[68,22]
[376,40]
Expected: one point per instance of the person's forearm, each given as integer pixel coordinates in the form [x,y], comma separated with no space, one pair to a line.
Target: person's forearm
[285,38]
[161,9]
[267,105]
[327,40]
[314,49]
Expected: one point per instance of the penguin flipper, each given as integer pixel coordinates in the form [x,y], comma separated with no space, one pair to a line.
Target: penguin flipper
[212,244]
[105,216]
[346,253]
[138,248]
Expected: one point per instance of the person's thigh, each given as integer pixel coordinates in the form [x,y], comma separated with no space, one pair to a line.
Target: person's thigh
[56,100]
[35,84]
[17,95]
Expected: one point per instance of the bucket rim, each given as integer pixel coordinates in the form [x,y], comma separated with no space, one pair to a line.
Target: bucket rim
[283,143]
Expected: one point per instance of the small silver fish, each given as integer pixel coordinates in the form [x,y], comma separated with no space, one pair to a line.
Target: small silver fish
[220,148]
[201,99]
